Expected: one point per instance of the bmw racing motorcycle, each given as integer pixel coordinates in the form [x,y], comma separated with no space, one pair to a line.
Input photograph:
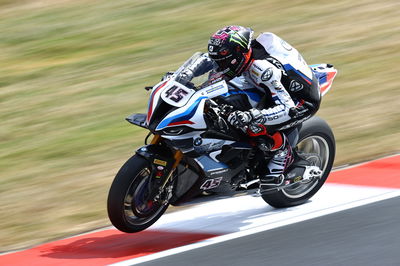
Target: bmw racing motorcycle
[193,151]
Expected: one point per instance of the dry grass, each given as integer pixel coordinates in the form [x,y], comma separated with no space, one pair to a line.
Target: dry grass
[70,71]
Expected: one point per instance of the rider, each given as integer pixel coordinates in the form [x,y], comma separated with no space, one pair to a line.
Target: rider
[276,69]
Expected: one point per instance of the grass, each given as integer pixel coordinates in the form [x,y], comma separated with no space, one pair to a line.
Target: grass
[70,71]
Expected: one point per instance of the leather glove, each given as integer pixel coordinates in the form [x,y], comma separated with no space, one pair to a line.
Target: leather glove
[239,119]
[243,119]
[167,75]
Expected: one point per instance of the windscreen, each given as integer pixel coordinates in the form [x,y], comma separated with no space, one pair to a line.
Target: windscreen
[195,71]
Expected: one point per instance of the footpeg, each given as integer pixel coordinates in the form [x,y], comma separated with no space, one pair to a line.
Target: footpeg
[310,173]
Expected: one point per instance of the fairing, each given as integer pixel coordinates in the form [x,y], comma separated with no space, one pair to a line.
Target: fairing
[184,93]
[325,74]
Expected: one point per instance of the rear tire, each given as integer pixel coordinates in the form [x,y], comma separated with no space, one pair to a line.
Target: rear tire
[315,138]
[129,208]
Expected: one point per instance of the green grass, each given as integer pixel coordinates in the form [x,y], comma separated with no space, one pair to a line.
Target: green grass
[70,71]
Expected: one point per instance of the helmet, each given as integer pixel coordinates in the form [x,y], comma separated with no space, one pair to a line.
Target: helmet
[230,49]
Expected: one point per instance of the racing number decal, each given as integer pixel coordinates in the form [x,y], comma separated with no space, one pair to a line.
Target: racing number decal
[175,94]
[211,183]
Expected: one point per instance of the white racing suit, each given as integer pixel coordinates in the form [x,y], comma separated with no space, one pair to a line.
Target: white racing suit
[289,95]
[280,72]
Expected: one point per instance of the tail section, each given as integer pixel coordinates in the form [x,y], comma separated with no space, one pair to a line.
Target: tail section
[325,74]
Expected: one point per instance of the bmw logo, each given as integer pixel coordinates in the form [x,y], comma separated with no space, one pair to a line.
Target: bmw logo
[197,141]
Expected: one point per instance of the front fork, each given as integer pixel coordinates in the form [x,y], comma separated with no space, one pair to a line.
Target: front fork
[178,155]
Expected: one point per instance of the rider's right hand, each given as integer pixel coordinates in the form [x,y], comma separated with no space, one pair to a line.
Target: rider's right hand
[167,75]
[240,119]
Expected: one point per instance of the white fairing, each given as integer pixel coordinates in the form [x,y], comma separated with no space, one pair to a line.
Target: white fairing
[191,113]
[176,94]
[284,52]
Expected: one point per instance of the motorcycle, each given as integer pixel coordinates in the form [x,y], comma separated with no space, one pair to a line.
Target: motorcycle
[194,151]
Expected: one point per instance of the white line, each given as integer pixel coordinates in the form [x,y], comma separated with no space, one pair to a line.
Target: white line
[262,228]
[348,166]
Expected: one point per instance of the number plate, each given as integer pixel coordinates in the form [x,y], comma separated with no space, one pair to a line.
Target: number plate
[176,94]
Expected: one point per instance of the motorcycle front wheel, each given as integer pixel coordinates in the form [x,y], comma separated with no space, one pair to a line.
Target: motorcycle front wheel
[316,145]
[130,208]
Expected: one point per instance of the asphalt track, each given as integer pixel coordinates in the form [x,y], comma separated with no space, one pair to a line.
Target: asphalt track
[367,235]
[352,220]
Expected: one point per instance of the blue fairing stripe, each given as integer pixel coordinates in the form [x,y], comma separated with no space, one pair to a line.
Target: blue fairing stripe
[183,116]
[322,76]
[289,67]
[253,95]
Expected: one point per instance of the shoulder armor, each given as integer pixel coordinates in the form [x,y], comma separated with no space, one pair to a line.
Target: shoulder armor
[263,72]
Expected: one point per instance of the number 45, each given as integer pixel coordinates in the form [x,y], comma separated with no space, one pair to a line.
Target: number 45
[175,94]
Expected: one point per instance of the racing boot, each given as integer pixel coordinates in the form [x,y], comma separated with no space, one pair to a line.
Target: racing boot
[279,162]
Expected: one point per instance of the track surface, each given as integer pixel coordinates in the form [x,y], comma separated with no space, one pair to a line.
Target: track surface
[321,232]
[367,235]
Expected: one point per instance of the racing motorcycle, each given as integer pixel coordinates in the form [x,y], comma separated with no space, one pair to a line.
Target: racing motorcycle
[193,151]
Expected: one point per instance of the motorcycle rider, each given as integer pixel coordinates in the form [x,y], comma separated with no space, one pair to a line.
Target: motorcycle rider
[275,68]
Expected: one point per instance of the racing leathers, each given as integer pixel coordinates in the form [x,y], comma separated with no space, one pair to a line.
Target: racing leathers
[291,96]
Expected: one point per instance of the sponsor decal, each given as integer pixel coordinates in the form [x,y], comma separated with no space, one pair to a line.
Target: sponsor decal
[218,172]
[286,45]
[215,88]
[216,42]
[297,178]
[295,123]
[277,85]
[160,162]
[267,74]
[257,67]
[208,147]
[275,62]
[272,118]
[239,39]
[255,73]
[295,86]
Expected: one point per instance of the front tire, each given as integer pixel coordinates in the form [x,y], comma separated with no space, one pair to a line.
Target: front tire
[317,145]
[129,207]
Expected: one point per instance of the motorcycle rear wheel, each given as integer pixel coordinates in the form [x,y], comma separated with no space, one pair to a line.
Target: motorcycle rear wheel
[317,145]
[129,208]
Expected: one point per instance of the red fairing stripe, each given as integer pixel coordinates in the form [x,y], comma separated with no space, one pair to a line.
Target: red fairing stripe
[181,123]
[328,83]
[150,112]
